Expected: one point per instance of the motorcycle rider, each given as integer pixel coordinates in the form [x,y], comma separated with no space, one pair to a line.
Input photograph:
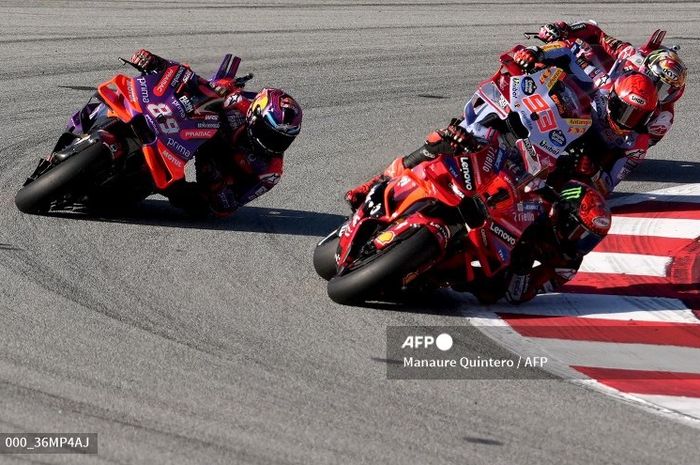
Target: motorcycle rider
[558,241]
[621,113]
[246,159]
[661,64]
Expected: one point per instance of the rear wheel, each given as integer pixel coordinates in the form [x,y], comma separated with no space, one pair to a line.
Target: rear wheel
[324,256]
[37,196]
[386,271]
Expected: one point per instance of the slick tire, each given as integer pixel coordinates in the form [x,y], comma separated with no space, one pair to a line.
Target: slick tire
[386,271]
[36,197]
[324,257]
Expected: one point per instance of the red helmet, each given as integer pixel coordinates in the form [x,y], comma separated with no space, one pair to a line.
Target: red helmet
[274,121]
[632,101]
[581,219]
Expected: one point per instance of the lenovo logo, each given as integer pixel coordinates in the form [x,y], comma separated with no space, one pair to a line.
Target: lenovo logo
[502,233]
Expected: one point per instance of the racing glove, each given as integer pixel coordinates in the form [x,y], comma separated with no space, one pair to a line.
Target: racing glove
[148,61]
[551,32]
[577,163]
[457,136]
[528,58]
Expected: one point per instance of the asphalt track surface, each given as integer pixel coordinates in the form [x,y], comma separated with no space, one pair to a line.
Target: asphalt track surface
[213,341]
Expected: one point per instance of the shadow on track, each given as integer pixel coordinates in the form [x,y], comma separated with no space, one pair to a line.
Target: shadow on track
[431,302]
[154,212]
[667,171]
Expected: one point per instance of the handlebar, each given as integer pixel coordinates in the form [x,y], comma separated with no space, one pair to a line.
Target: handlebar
[240,81]
[134,65]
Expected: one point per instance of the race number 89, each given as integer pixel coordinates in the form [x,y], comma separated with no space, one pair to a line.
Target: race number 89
[169,126]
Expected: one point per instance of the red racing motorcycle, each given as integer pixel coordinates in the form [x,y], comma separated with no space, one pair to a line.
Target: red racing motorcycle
[451,210]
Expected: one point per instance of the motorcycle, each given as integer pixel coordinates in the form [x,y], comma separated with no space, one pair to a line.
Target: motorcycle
[468,210]
[132,139]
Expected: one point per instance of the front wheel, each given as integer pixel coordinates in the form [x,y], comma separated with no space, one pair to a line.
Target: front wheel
[37,196]
[324,256]
[386,271]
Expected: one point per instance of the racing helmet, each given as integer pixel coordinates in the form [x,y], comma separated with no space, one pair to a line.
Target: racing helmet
[580,219]
[274,121]
[668,72]
[632,101]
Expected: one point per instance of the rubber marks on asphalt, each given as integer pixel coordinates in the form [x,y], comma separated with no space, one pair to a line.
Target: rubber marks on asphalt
[630,320]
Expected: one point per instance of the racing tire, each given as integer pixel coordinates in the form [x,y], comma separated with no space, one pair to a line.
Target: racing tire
[324,257]
[36,197]
[386,271]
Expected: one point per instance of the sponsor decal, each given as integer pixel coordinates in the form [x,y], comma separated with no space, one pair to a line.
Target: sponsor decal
[143,89]
[232,100]
[162,85]
[176,80]
[528,86]
[548,148]
[502,233]
[530,150]
[500,158]
[208,125]
[188,75]
[557,137]
[572,193]
[179,148]
[174,159]
[178,106]
[669,73]
[601,222]
[467,173]
[488,162]
[583,122]
[427,154]
[441,231]
[558,74]
[502,102]
[131,91]
[524,217]
[514,85]
[637,99]
[502,253]
[186,104]
[551,46]
[529,206]
[456,190]
[188,134]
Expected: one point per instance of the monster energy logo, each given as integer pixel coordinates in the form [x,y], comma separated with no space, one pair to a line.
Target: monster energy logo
[571,193]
